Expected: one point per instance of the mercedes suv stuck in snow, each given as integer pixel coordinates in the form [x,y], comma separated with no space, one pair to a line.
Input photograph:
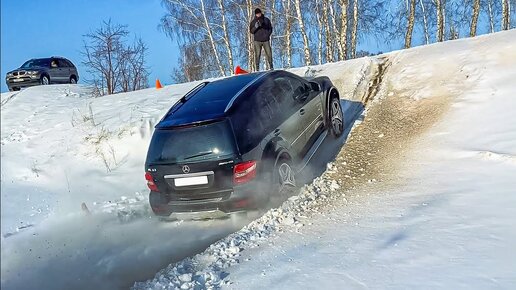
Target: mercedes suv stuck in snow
[42,71]
[235,144]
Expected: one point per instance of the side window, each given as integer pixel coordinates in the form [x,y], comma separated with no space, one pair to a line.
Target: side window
[286,90]
[69,63]
[62,63]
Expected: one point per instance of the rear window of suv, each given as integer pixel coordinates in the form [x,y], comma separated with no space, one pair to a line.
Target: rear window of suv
[204,142]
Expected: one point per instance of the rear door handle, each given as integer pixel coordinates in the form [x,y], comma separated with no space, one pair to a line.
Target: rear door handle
[302,111]
[277,132]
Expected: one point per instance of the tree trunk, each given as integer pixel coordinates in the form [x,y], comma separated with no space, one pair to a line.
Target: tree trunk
[300,21]
[354,32]
[250,50]
[319,33]
[344,29]
[410,25]
[474,18]
[227,41]
[425,22]
[491,18]
[288,32]
[440,21]
[212,40]
[334,26]
[505,15]
[329,42]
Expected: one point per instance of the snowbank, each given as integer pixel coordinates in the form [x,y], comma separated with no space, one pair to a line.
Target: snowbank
[440,216]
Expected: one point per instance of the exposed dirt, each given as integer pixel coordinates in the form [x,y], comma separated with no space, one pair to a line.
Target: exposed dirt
[376,147]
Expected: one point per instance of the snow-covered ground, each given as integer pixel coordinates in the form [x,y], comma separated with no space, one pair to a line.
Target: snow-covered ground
[435,211]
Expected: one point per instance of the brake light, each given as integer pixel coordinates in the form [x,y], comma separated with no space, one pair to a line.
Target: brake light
[150,182]
[244,172]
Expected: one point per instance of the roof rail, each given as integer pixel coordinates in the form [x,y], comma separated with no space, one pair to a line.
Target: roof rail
[230,104]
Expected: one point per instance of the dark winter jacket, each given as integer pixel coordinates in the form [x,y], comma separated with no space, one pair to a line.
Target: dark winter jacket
[262,32]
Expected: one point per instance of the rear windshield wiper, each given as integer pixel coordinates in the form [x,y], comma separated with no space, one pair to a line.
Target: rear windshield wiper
[199,155]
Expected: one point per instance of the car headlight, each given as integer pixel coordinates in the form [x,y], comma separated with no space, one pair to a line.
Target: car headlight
[10,74]
[32,72]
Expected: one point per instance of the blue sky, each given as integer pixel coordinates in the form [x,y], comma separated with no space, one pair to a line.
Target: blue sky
[32,29]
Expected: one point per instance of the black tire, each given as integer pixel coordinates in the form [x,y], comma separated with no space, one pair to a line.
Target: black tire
[158,202]
[283,181]
[45,80]
[73,80]
[335,118]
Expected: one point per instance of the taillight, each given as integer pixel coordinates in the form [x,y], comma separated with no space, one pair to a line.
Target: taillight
[244,172]
[150,182]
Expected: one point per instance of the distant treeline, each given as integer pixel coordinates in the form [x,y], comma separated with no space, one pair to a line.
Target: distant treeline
[213,35]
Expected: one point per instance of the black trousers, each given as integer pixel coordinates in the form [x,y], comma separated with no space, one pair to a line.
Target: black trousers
[258,53]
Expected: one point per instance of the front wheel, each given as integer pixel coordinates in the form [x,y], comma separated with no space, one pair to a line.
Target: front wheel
[45,80]
[336,118]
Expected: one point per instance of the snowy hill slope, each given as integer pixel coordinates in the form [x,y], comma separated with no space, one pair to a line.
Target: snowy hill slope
[421,196]
[62,147]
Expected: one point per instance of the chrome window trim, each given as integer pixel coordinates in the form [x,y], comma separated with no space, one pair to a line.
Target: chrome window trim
[183,175]
[230,104]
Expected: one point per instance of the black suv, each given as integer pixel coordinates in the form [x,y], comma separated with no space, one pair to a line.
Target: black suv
[42,71]
[234,144]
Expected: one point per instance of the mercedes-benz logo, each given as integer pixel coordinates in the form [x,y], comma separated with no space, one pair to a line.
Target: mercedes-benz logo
[186,169]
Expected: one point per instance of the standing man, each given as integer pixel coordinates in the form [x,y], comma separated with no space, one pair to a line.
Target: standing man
[261,28]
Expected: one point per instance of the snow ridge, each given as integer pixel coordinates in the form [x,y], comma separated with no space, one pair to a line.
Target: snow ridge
[207,269]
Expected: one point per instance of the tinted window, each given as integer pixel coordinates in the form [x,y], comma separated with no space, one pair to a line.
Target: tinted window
[270,104]
[41,62]
[64,63]
[191,144]
[292,86]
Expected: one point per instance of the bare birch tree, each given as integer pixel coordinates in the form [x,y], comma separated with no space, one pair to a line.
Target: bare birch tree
[354,31]
[474,18]
[505,15]
[440,20]
[327,30]
[344,28]
[425,22]
[300,21]
[115,66]
[227,41]
[410,23]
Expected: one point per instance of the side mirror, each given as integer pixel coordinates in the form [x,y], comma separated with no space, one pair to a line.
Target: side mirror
[315,86]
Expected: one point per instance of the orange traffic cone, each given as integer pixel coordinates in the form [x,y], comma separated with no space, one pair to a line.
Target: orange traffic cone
[239,71]
[158,84]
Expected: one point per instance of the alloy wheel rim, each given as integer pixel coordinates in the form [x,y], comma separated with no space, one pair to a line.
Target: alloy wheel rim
[286,176]
[336,117]
[45,80]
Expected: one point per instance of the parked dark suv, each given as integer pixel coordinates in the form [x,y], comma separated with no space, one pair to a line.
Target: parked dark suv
[236,143]
[42,71]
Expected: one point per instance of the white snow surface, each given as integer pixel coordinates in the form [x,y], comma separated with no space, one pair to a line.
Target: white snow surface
[449,224]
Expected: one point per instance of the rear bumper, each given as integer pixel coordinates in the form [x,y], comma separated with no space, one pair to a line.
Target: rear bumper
[241,198]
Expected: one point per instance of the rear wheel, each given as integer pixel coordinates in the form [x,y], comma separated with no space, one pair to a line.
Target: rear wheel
[283,181]
[336,118]
[45,80]
[73,80]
